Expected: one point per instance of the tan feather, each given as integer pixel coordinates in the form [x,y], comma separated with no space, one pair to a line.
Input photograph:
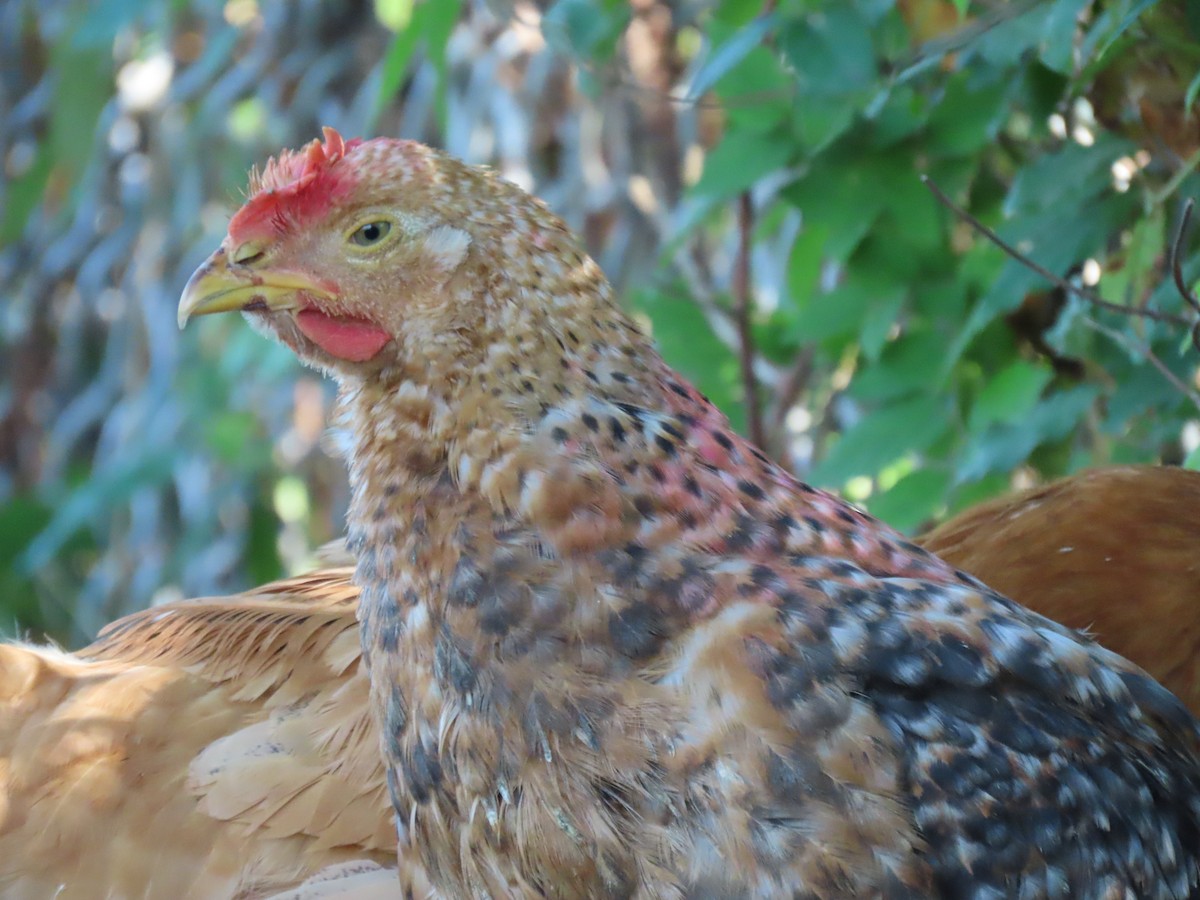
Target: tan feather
[209,748]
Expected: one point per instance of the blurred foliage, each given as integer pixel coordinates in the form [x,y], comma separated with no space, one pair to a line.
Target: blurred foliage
[899,356]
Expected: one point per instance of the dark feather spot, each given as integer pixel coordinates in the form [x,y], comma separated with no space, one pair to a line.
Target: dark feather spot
[465,583]
[637,631]
[389,635]
[634,412]
[452,666]
[422,772]
[751,490]
[763,576]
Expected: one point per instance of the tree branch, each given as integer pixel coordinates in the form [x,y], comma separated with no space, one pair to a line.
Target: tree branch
[1075,290]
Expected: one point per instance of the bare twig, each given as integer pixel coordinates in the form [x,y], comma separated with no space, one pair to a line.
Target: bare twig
[741,312]
[1188,295]
[1075,290]
[1147,353]
[1177,256]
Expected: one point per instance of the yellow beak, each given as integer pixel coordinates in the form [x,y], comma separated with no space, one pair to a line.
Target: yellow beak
[218,286]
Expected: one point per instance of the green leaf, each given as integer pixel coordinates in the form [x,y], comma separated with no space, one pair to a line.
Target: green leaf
[1140,388]
[1189,98]
[1137,272]
[429,27]
[910,363]
[83,88]
[740,160]
[23,194]
[1059,35]
[881,317]
[820,121]
[1002,448]
[729,54]
[968,118]
[1004,45]
[967,495]
[583,29]
[882,436]
[757,93]
[396,62]
[912,500]
[1131,15]
[1010,395]
[1193,460]
[831,52]
[22,517]
[105,489]
[804,263]
[1072,174]
[735,13]
[440,19]
[903,113]
[1056,238]
[840,312]
[686,341]
[844,196]
[103,21]
[232,434]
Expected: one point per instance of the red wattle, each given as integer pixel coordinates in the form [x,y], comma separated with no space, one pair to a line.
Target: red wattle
[354,340]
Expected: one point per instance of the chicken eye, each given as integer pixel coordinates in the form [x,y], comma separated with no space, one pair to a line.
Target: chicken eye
[371,233]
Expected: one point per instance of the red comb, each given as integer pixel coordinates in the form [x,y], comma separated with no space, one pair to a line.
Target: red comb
[294,186]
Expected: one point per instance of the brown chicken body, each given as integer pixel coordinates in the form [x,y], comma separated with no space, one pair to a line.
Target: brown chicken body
[205,749]
[1113,551]
[614,650]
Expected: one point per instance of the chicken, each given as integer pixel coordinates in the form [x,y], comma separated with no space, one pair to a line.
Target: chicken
[1110,550]
[211,748]
[616,651]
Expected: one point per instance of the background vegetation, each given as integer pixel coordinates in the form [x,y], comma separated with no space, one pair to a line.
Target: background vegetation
[747,172]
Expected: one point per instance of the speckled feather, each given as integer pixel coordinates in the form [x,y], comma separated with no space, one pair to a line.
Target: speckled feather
[615,651]
[217,748]
[1112,550]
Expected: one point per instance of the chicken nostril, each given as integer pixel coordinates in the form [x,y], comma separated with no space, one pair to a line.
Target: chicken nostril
[247,254]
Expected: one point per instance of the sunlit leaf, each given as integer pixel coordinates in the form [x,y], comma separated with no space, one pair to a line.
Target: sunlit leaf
[729,54]
[899,428]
